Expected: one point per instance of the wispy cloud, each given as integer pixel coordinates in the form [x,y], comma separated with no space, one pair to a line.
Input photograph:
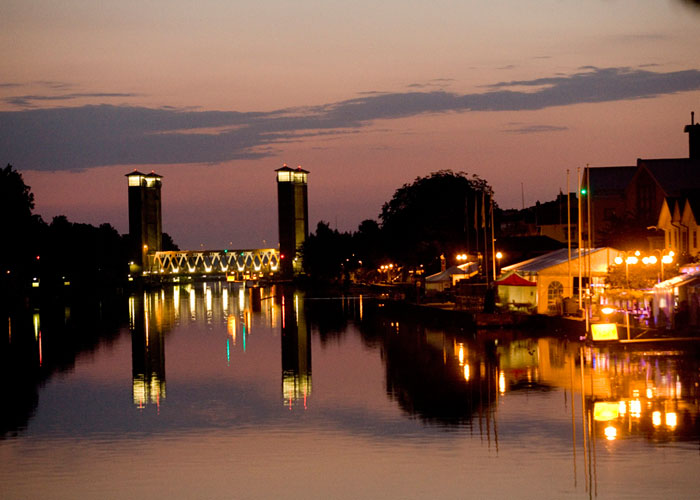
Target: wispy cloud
[434,83]
[533,129]
[29,101]
[76,138]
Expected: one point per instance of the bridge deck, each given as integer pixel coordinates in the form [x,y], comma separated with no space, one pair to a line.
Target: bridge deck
[237,264]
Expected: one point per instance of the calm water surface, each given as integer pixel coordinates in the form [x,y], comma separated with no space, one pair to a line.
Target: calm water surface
[216,391]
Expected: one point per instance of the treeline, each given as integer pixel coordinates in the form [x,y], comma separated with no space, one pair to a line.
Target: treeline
[52,256]
[444,213]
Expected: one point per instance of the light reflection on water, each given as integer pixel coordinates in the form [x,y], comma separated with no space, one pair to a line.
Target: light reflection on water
[214,390]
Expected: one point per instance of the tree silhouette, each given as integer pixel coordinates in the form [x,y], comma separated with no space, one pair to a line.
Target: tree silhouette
[439,214]
[20,230]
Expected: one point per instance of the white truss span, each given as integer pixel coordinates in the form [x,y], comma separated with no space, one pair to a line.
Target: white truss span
[261,262]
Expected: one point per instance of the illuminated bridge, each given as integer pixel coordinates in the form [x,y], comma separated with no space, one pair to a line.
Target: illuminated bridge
[148,260]
[233,264]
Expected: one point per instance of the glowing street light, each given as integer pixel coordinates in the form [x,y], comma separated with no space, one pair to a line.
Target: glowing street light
[629,259]
[664,259]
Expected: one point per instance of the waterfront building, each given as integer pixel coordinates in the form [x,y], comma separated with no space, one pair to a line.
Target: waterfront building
[679,220]
[633,196]
[554,278]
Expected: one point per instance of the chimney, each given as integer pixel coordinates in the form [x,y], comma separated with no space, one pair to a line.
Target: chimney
[693,131]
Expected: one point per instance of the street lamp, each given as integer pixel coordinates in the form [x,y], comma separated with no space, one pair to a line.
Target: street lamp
[664,259]
[629,259]
[499,256]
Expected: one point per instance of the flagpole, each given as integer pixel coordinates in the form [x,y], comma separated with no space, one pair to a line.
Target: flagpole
[580,239]
[493,240]
[483,224]
[568,229]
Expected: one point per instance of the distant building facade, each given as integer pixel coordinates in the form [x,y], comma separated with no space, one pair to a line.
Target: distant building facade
[626,202]
[679,219]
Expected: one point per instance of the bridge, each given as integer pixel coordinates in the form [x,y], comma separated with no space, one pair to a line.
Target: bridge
[149,260]
[234,265]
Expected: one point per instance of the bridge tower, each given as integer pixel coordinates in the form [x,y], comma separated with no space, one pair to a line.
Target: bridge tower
[293,216]
[145,222]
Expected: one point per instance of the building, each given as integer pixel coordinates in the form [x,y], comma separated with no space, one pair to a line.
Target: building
[678,220]
[555,278]
[676,301]
[293,216]
[145,219]
[625,202]
[448,278]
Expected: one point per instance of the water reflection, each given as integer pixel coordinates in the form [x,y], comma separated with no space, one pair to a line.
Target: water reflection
[44,339]
[648,392]
[386,386]
[296,351]
[146,313]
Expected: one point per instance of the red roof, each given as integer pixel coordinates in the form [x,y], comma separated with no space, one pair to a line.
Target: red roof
[515,280]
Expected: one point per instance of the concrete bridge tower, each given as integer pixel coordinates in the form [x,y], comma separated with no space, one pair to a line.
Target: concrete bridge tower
[293,217]
[145,221]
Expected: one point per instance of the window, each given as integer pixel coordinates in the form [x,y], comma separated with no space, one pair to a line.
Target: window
[555,290]
[584,281]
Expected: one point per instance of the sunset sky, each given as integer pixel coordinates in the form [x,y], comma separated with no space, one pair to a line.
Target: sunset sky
[214,95]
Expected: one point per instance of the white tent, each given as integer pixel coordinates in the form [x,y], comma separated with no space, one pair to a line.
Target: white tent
[447,278]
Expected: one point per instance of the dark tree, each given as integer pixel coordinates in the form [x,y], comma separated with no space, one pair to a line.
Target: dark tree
[443,213]
[327,253]
[369,244]
[168,244]
[20,230]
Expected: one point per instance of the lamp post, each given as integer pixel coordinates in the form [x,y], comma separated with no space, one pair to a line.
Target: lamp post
[663,259]
[499,256]
[629,259]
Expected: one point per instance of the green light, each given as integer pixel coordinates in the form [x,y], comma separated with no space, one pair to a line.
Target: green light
[225,251]
[584,191]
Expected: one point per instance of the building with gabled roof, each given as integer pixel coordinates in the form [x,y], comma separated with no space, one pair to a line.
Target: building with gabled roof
[679,218]
[556,277]
[625,202]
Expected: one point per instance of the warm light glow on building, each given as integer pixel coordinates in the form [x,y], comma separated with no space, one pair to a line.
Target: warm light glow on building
[502,382]
[656,418]
[671,420]
[610,433]
[460,354]
[466,373]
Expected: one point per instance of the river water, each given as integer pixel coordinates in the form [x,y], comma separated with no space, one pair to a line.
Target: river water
[213,390]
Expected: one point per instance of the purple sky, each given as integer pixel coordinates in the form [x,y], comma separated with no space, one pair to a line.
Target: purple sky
[214,95]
